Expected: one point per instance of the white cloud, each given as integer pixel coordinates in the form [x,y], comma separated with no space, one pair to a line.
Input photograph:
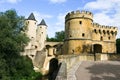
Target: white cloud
[40,16]
[13,1]
[103,19]
[106,12]
[99,4]
[59,25]
[56,25]
[60,19]
[57,1]
[10,1]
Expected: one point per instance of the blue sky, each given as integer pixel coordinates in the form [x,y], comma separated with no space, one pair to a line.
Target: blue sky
[106,12]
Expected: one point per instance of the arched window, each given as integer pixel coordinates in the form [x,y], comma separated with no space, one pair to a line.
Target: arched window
[100,31]
[104,31]
[112,32]
[108,32]
[95,30]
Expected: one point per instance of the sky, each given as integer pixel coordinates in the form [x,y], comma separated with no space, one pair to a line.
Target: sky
[106,12]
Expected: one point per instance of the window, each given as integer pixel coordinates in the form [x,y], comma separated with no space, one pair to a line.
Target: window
[70,36]
[32,55]
[109,37]
[80,22]
[101,38]
[100,31]
[35,47]
[83,35]
[108,32]
[95,30]
[104,31]
[112,32]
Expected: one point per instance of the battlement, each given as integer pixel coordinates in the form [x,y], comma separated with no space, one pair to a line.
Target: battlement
[79,14]
[96,25]
[104,29]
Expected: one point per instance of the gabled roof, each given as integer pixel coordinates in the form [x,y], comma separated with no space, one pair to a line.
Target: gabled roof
[31,17]
[42,23]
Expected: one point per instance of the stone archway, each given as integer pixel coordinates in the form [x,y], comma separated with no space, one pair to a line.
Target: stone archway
[53,69]
[97,48]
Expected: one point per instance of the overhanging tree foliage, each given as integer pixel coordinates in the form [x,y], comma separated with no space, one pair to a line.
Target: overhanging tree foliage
[12,42]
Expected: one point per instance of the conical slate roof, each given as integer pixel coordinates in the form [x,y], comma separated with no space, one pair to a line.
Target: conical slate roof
[31,17]
[42,22]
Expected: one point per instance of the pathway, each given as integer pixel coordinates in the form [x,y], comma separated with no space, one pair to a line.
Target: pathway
[98,70]
[71,72]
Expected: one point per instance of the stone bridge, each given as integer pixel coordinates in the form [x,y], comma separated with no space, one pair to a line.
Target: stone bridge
[53,47]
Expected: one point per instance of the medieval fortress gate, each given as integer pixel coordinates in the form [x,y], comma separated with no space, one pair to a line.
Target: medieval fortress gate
[82,36]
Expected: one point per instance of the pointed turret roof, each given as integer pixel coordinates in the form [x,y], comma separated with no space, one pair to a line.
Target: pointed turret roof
[42,22]
[31,17]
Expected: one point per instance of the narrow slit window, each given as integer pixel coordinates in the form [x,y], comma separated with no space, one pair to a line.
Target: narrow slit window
[109,38]
[83,35]
[80,22]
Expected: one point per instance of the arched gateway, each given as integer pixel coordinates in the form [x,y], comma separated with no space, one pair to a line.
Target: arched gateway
[97,48]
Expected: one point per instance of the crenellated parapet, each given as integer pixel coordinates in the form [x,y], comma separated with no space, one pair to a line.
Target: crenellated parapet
[97,28]
[79,14]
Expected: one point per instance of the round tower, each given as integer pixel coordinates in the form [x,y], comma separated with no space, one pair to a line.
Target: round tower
[31,30]
[78,27]
[41,34]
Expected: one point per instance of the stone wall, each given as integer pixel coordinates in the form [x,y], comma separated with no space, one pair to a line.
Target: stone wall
[62,73]
[70,60]
[114,57]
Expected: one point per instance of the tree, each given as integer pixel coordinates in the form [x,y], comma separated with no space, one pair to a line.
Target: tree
[59,37]
[12,42]
[118,45]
